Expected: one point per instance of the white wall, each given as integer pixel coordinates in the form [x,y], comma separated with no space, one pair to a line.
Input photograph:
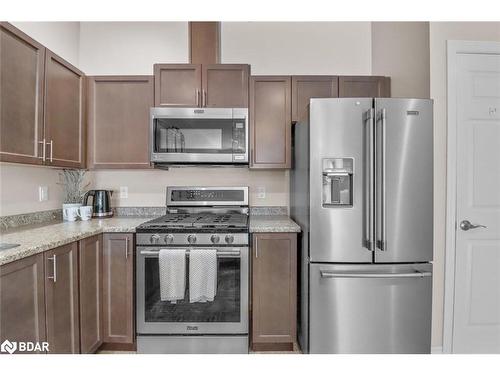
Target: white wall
[131,47]
[147,187]
[440,32]
[298,47]
[62,38]
[400,50]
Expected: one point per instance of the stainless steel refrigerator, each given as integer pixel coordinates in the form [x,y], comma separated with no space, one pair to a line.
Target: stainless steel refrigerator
[362,190]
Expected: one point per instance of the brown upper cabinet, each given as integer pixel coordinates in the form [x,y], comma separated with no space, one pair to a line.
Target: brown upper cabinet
[22,62]
[61,299]
[64,113]
[22,300]
[307,87]
[196,85]
[118,118]
[270,122]
[42,116]
[364,86]
[204,42]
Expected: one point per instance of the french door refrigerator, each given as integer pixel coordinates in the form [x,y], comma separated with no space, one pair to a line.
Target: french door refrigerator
[362,190]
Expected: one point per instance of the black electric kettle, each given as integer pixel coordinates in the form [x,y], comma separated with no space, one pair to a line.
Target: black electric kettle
[101,202]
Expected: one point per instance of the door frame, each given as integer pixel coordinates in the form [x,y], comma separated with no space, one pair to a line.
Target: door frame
[455,48]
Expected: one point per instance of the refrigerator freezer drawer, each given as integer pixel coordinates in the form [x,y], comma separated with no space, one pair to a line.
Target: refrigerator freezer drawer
[370,308]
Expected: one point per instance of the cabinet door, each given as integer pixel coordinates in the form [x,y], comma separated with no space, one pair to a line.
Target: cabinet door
[64,114]
[118,114]
[22,62]
[225,85]
[90,267]
[22,300]
[61,293]
[307,87]
[364,87]
[118,288]
[270,122]
[274,288]
[204,42]
[177,85]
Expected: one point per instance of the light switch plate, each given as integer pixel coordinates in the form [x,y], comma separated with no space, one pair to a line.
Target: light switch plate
[261,192]
[123,192]
[43,193]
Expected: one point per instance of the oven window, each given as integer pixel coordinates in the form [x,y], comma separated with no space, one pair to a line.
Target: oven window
[194,135]
[224,308]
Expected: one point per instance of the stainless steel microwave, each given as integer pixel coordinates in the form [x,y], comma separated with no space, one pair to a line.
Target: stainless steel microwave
[199,135]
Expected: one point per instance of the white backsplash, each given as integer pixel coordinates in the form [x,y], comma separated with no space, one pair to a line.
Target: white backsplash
[148,187]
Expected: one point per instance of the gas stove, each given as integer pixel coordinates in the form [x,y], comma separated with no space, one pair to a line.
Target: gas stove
[199,216]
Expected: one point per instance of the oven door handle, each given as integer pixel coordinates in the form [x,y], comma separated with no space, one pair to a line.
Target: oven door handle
[220,253]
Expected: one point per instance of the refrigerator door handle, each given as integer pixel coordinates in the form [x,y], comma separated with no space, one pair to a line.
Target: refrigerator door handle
[381,185]
[369,191]
[368,275]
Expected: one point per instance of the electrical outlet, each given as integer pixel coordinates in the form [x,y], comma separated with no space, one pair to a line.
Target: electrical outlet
[123,192]
[261,192]
[43,193]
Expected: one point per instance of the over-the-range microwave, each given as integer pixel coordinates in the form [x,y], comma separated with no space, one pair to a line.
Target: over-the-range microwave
[210,136]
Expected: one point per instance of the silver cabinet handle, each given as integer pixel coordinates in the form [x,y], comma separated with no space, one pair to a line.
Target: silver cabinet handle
[256,250]
[382,242]
[466,225]
[354,275]
[51,149]
[43,157]
[204,98]
[126,247]
[54,268]
[197,97]
[369,222]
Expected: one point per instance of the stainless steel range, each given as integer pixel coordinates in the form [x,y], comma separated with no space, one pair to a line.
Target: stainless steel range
[197,218]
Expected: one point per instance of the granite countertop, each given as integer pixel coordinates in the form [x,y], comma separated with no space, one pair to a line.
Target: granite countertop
[272,223]
[34,239]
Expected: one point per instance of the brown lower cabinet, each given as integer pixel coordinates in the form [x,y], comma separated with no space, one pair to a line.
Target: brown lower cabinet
[118,288]
[90,267]
[60,296]
[61,299]
[274,291]
[22,300]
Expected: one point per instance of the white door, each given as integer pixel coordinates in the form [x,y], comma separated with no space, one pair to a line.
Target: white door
[476,321]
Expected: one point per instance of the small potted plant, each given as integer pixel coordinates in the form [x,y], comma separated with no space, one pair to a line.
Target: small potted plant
[72,181]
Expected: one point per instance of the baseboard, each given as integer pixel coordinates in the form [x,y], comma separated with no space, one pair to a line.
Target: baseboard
[436,350]
[118,346]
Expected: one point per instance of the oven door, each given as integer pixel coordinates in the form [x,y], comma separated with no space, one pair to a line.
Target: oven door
[199,135]
[226,314]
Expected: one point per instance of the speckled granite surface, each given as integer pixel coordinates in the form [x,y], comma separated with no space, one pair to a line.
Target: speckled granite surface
[34,239]
[268,210]
[13,221]
[272,223]
[139,211]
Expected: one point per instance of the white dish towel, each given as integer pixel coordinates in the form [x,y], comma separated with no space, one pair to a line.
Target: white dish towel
[202,275]
[172,274]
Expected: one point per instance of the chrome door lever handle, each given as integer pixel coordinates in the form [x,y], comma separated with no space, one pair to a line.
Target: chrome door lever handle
[466,225]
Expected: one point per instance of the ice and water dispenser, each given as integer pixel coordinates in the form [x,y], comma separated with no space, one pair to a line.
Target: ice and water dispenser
[337,182]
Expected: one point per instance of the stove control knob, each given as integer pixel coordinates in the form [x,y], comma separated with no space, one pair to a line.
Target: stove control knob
[192,239]
[169,238]
[229,238]
[215,238]
[154,239]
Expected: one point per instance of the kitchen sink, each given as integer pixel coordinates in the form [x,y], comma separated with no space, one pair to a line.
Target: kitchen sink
[7,246]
